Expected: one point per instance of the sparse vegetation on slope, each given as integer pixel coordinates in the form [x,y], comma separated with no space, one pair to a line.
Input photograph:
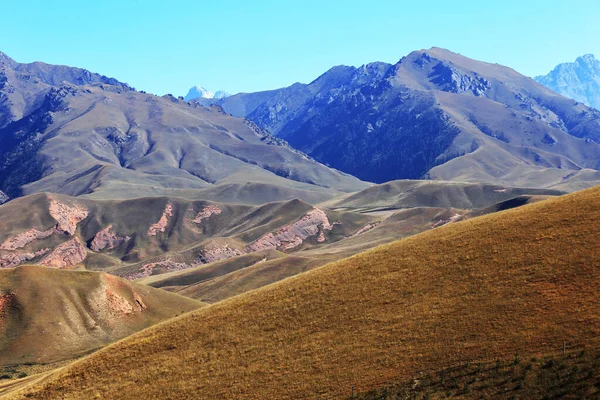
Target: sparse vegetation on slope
[575,375]
[48,315]
[515,282]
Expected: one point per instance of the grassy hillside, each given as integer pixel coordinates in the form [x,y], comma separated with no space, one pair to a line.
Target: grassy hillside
[227,278]
[49,315]
[516,282]
[410,193]
[573,375]
[140,237]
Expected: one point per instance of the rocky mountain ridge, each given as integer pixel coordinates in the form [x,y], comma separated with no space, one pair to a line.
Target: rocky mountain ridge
[66,130]
[579,80]
[434,114]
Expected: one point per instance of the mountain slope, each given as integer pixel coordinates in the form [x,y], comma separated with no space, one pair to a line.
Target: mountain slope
[48,315]
[434,114]
[516,282]
[579,80]
[65,130]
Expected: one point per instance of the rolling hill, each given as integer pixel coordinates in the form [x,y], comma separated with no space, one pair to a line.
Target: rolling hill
[211,251]
[437,115]
[522,281]
[48,315]
[66,130]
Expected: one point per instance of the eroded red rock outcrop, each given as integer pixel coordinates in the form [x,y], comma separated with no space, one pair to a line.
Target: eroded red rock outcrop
[162,223]
[67,217]
[148,269]
[107,239]
[66,255]
[23,239]
[365,228]
[13,259]
[206,212]
[215,252]
[315,222]
[117,305]
[6,300]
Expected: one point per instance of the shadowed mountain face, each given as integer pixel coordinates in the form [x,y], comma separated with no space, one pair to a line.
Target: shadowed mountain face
[434,114]
[66,130]
[579,80]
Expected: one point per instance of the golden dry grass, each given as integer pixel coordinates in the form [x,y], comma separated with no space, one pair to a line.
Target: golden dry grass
[519,281]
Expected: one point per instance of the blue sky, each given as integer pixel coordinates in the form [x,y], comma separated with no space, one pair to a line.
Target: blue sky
[168,46]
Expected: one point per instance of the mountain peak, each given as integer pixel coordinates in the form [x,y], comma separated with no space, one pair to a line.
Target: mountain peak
[4,59]
[221,94]
[588,57]
[579,80]
[198,91]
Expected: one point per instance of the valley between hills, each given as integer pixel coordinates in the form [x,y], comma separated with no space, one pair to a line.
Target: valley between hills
[364,235]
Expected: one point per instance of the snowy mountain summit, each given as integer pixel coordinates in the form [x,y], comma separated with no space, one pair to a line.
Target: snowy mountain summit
[199,92]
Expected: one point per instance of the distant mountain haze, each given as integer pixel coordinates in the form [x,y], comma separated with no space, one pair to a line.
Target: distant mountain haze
[434,114]
[579,80]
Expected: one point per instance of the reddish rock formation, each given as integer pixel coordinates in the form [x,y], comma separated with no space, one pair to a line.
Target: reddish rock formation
[6,299]
[10,260]
[67,217]
[213,253]
[106,239]
[148,269]
[66,255]
[23,239]
[117,304]
[207,212]
[162,223]
[293,235]
[441,222]
[365,228]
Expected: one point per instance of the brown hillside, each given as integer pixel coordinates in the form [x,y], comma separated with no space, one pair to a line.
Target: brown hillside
[48,315]
[519,281]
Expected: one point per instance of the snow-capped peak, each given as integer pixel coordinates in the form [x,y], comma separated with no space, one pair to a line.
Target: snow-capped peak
[221,94]
[199,91]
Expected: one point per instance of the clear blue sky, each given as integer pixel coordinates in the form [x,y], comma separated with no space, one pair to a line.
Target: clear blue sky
[240,45]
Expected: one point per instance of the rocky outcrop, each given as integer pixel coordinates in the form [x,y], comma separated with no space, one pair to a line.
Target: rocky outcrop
[106,239]
[365,228]
[162,266]
[13,259]
[450,79]
[214,253]
[206,212]
[313,223]
[162,223]
[23,239]
[66,216]
[117,304]
[6,300]
[66,255]
[3,197]
[444,221]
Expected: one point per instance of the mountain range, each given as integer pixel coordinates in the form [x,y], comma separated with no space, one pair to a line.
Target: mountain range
[376,226]
[579,80]
[434,114]
[66,130]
